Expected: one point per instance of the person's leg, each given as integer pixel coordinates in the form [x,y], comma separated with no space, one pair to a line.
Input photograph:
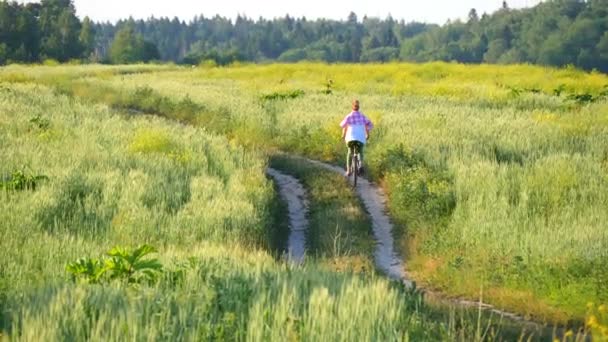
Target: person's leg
[361,148]
[349,155]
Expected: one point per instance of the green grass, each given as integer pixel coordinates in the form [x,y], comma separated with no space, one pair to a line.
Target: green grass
[499,189]
[206,205]
[484,175]
[339,232]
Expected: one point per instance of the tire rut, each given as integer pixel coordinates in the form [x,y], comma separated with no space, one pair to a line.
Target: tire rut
[386,257]
[391,263]
[374,200]
[293,193]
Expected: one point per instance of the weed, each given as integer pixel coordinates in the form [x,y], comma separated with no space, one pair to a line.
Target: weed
[280,96]
[559,90]
[129,266]
[21,180]
[41,123]
[329,85]
[584,98]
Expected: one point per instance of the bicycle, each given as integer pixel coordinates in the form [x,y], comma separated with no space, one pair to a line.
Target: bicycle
[356,171]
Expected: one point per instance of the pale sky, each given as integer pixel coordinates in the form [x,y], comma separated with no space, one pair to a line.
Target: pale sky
[430,11]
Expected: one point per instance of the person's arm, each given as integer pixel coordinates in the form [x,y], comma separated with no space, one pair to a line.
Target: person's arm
[368,127]
[344,125]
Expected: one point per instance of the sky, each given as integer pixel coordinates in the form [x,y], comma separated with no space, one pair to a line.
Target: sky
[430,11]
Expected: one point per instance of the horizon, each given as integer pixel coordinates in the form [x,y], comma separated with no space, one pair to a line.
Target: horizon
[431,12]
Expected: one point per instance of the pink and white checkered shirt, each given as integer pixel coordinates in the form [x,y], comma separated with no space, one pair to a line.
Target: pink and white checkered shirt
[357,126]
[356,118]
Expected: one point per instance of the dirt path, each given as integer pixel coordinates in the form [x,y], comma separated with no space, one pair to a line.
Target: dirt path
[390,262]
[374,200]
[385,255]
[294,195]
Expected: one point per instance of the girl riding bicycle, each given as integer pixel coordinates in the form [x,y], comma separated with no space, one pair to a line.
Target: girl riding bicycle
[355,132]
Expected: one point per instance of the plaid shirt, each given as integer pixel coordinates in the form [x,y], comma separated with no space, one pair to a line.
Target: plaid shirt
[356,118]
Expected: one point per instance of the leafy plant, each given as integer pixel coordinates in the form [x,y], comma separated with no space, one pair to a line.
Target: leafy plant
[289,95]
[90,270]
[19,180]
[329,87]
[40,122]
[132,266]
[559,90]
[583,98]
[124,265]
[604,92]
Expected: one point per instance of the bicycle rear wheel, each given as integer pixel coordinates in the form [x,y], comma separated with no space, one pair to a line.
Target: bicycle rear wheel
[355,169]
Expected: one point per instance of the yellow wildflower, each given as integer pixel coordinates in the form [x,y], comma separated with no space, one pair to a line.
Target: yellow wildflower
[592,321]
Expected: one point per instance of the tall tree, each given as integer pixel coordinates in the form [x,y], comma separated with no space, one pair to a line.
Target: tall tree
[473,17]
[130,47]
[60,30]
[87,38]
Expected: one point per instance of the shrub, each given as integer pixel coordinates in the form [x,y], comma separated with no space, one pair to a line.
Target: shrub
[207,64]
[50,62]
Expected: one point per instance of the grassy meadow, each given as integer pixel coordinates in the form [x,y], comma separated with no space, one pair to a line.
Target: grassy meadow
[497,179]
[79,178]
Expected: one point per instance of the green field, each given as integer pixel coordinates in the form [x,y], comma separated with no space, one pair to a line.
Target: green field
[497,179]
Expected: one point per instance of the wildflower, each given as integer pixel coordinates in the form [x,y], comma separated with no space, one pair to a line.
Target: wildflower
[592,321]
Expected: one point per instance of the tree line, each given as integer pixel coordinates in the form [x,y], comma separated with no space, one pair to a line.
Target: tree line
[49,29]
[555,32]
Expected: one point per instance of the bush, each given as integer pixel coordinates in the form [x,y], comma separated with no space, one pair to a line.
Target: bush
[50,62]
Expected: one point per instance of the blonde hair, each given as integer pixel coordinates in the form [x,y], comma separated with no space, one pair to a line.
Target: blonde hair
[355,104]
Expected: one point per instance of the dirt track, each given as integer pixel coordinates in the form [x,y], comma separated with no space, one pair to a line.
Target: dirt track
[385,255]
[294,195]
[374,200]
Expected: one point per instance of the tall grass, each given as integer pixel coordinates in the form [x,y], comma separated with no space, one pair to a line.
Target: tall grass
[339,233]
[115,181]
[485,166]
[496,179]
[204,202]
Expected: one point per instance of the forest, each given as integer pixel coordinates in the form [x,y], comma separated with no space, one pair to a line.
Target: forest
[553,33]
